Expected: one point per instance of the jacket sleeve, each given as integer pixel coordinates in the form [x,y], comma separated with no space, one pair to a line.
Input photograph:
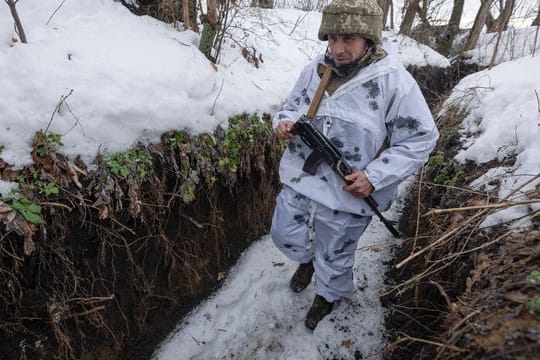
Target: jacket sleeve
[290,109]
[412,133]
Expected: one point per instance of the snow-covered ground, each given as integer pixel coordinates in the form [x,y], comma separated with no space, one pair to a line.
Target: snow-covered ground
[256,316]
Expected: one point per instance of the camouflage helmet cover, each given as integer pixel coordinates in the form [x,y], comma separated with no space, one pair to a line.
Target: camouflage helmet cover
[363,17]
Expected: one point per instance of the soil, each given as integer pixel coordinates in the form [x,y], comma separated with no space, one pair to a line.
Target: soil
[469,297]
[122,258]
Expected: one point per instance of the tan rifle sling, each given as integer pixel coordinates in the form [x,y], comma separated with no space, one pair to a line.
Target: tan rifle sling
[312,111]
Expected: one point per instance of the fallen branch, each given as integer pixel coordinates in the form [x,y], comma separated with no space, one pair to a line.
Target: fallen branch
[479,207]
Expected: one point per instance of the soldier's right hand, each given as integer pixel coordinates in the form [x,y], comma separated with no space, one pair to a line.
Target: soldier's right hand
[283,130]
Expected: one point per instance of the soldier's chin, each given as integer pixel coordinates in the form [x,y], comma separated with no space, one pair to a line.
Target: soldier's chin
[342,61]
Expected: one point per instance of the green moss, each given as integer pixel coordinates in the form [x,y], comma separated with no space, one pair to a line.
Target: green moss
[51,142]
[446,171]
[134,162]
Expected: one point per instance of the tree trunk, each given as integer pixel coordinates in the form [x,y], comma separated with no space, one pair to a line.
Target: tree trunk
[536,22]
[18,25]
[506,14]
[408,19]
[491,23]
[210,30]
[189,15]
[452,28]
[264,4]
[423,13]
[385,6]
[479,22]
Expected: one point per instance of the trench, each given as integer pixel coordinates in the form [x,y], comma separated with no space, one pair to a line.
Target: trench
[123,258]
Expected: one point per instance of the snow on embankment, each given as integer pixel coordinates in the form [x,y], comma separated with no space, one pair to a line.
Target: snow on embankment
[132,78]
[503,121]
[513,43]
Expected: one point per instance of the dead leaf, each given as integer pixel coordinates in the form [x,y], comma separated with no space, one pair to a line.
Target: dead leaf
[29,246]
[347,343]
[517,297]
[221,275]
[104,213]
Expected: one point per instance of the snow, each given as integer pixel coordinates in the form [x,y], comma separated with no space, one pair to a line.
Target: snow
[125,79]
[256,316]
[503,121]
[132,78]
[514,43]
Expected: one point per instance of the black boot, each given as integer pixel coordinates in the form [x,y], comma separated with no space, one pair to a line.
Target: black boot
[302,277]
[317,312]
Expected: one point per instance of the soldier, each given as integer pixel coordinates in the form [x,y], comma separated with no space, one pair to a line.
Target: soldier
[370,100]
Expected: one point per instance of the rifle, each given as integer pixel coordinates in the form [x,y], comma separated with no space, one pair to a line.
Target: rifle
[324,150]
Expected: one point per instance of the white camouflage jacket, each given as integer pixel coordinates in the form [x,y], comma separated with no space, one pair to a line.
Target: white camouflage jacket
[382,100]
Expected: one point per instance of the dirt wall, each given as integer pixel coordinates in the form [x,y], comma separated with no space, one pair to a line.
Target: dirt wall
[129,247]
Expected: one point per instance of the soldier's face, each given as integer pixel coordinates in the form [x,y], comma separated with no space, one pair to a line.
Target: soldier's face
[346,48]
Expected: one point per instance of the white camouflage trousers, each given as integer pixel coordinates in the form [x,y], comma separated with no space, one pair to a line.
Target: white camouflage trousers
[305,230]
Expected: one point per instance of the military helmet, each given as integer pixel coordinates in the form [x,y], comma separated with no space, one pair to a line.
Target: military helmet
[362,17]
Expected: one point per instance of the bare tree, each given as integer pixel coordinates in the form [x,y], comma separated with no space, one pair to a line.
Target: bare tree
[385,6]
[408,19]
[452,28]
[18,25]
[501,23]
[491,23]
[189,15]
[506,14]
[479,22]
[210,29]
[536,22]
[265,4]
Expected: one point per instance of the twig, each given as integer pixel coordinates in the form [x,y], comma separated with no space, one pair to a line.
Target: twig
[458,254]
[55,11]
[443,293]
[418,202]
[406,337]
[57,108]
[298,21]
[441,239]
[487,206]
[88,312]
[537,101]
[260,88]
[454,329]
[92,299]
[77,121]
[217,97]
[56,204]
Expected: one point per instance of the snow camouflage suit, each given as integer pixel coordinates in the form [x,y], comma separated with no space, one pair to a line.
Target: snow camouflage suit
[314,217]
